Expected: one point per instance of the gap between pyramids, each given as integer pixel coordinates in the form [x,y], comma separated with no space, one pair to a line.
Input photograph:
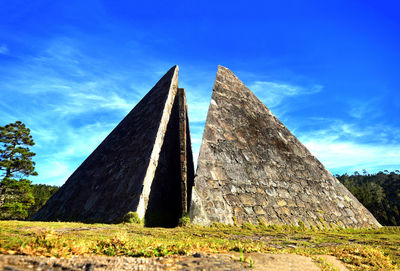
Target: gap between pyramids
[251,168]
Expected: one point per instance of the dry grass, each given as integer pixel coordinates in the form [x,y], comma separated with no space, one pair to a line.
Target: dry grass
[359,249]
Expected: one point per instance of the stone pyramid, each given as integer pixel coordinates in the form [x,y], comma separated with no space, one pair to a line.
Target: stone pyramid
[144,165]
[252,169]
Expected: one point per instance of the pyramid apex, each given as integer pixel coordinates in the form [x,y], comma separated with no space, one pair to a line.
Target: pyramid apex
[221,68]
[174,69]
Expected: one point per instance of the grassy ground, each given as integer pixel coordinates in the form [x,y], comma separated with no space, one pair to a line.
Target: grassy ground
[359,249]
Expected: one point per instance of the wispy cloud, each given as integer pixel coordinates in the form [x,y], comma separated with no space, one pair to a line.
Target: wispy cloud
[364,109]
[70,102]
[80,102]
[3,49]
[63,153]
[272,93]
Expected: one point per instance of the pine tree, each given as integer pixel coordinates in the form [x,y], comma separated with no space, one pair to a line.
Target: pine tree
[15,163]
[15,156]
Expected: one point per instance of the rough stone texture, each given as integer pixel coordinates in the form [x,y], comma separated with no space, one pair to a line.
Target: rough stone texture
[253,169]
[186,156]
[118,176]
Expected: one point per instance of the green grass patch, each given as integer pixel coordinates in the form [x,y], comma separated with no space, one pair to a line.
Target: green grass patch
[359,249]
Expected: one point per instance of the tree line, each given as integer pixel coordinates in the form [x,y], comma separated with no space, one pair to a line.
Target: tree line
[379,193]
[20,199]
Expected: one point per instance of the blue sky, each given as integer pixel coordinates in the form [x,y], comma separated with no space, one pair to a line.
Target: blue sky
[329,70]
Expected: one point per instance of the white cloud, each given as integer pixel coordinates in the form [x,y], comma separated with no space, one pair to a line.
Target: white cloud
[79,102]
[272,94]
[347,156]
[3,49]
[345,147]
[198,109]
[53,172]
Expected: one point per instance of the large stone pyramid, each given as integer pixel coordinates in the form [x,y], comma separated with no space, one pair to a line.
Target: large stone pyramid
[251,169]
[144,165]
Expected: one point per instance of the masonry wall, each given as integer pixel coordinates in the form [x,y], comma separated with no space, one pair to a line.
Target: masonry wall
[110,182]
[252,169]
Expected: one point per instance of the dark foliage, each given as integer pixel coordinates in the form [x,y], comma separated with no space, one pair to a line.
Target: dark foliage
[15,155]
[15,198]
[41,193]
[15,163]
[19,199]
[379,193]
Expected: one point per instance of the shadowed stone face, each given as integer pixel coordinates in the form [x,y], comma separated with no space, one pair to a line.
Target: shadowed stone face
[173,179]
[253,169]
[138,165]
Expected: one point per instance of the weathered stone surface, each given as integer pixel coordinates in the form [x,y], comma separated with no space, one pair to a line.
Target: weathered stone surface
[139,167]
[246,150]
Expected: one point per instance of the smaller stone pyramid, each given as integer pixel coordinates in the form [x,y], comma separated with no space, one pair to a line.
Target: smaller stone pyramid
[252,169]
[144,165]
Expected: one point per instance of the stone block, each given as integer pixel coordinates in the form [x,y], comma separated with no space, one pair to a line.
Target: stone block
[247,199]
[259,210]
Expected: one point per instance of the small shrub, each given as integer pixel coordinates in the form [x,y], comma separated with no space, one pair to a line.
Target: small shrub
[235,222]
[184,221]
[261,223]
[301,226]
[218,225]
[322,263]
[251,262]
[313,228]
[241,255]
[132,217]
[248,226]
[274,227]
[324,225]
